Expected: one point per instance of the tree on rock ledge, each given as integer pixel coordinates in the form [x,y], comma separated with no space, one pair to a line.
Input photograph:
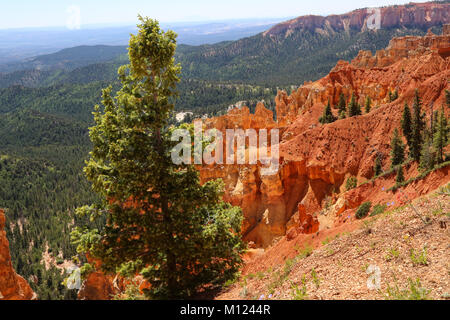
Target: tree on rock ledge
[441,136]
[368,104]
[418,125]
[400,176]
[447,98]
[327,116]
[407,124]
[342,106]
[397,150]
[378,168]
[161,222]
[354,109]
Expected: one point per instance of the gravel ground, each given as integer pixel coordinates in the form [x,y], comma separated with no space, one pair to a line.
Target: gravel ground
[386,251]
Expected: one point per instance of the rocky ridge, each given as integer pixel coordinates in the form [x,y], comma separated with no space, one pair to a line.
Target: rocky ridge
[422,15]
[371,260]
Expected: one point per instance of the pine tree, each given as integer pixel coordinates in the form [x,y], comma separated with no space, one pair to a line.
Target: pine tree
[397,150]
[400,175]
[427,157]
[354,109]
[378,169]
[447,98]
[393,96]
[418,125]
[161,222]
[368,104]
[342,106]
[327,116]
[435,122]
[406,124]
[440,139]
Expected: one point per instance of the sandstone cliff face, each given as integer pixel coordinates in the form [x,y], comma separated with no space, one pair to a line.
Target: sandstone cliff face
[405,48]
[12,286]
[101,287]
[316,160]
[420,15]
[98,286]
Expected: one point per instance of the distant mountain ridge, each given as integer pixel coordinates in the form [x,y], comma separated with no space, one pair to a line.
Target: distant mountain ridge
[19,44]
[68,59]
[306,48]
[412,15]
[289,53]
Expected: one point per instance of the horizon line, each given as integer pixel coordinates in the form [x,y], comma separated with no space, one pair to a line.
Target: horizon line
[91,26]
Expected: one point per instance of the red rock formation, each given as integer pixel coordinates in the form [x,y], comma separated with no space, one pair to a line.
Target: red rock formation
[406,63]
[12,286]
[242,118]
[260,197]
[303,223]
[97,286]
[422,15]
[316,160]
[404,47]
[446,30]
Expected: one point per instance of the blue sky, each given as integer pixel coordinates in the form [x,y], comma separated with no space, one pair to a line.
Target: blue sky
[45,13]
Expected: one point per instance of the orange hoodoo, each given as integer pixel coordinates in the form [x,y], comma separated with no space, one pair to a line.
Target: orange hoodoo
[12,286]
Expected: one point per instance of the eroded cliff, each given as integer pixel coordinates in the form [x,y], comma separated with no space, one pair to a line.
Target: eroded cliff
[417,15]
[12,286]
[316,160]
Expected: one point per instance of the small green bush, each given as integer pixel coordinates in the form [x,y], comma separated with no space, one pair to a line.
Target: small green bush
[378,209]
[414,292]
[419,258]
[305,252]
[363,210]
[352,183]
[299,292]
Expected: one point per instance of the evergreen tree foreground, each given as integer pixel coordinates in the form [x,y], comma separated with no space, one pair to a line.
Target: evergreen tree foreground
[161,222]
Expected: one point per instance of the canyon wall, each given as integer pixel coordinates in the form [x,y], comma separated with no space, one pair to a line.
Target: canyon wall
[12,286]
[316,160]
[415,15]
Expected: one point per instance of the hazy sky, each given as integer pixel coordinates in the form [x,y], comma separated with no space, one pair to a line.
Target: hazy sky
[44,13]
